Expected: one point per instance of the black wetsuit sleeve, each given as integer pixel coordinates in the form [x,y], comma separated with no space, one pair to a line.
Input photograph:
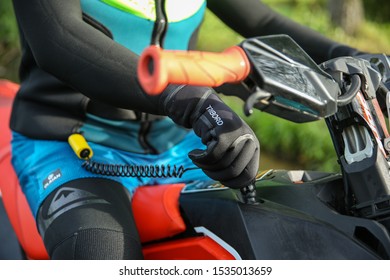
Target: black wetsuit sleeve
[80,55]
[251,18]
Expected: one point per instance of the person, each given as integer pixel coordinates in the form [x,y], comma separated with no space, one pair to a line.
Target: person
[78,76]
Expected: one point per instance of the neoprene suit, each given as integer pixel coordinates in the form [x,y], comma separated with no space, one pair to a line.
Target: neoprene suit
[58,33]
[78,73]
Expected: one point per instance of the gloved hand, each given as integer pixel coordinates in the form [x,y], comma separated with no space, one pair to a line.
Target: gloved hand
[232,154]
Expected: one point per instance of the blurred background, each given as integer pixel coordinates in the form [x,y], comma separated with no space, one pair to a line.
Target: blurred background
[364,24]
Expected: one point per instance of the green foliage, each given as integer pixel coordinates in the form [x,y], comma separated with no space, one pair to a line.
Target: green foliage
[215,36]
[8,30]
[377,10]
[373,36]
[9,51]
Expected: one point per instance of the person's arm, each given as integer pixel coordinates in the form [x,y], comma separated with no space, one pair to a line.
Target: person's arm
[80,55]
[95,65]
[251,18]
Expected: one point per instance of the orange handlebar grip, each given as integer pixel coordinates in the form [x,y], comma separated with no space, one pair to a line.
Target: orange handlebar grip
[157,68]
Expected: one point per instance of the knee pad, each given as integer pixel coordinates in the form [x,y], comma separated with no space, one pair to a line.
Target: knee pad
[96,244]
[89,219]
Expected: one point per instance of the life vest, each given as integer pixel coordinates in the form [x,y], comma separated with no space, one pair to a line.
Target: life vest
[130,19]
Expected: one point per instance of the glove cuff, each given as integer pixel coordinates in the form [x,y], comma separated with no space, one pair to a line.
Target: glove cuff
[184,104]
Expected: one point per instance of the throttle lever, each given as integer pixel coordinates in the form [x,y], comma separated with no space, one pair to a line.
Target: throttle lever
[258,96]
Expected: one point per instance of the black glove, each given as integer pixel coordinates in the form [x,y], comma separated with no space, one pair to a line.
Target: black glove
[232,154]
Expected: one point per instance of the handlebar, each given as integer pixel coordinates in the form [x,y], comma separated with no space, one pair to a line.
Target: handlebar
[157,68]
[290,85]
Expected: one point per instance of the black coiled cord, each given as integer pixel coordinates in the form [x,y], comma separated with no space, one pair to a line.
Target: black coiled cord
[150,171]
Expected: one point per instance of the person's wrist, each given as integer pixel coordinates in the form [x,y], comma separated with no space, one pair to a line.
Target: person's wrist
[184,104]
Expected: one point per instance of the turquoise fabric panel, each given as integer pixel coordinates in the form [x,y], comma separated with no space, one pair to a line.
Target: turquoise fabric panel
[126,27]
[163,134]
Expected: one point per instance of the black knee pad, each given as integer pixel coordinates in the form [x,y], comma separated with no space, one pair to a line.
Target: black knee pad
[97,244]
[89,219]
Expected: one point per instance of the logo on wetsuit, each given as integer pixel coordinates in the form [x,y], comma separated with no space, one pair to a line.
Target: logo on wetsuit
[51,178]
[214,115]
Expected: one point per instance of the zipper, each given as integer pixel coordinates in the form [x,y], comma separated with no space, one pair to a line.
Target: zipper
[142,135]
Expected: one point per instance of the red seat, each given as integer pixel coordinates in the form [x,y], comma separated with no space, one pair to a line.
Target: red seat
[14,200]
